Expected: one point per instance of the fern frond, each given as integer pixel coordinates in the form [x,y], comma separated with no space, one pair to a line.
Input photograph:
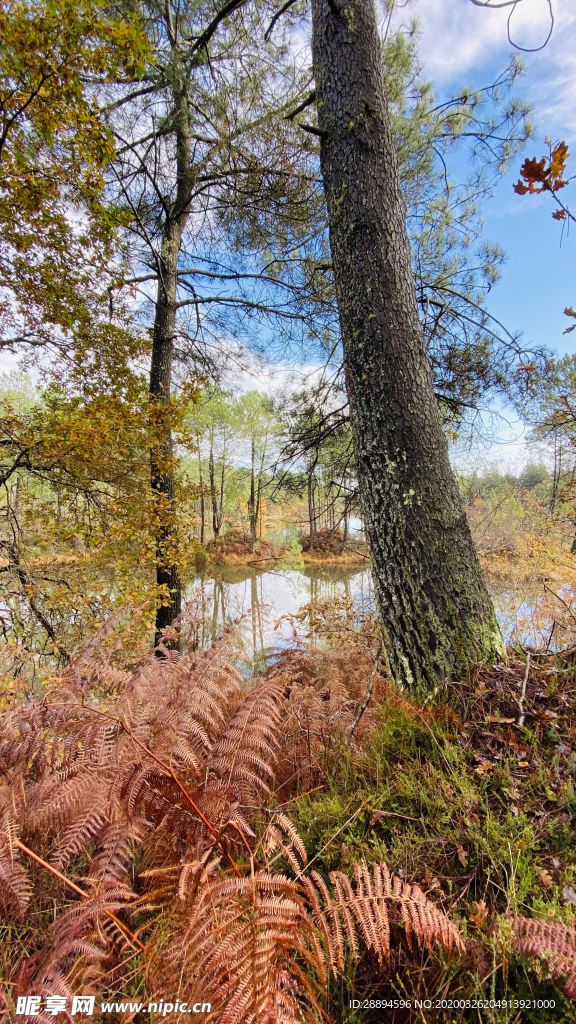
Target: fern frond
[76,836]
[362,906]
[291,830]
[552,941]
[245,941]
[115,850]
[15,888]
[249,741]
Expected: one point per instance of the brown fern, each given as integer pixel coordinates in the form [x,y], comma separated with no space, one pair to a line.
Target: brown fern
[325,690]
[153,787]
[551,941]
[246,941]
[361,907]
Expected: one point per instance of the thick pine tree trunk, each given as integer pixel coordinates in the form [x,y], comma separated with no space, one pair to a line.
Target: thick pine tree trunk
[435,613]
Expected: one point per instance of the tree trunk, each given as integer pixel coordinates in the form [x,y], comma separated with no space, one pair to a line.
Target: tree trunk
[161,456]
[557,473]
[259,512]
[435,613]
[213,495]
[222,478]
[202,506]
[311,510]
[252,511]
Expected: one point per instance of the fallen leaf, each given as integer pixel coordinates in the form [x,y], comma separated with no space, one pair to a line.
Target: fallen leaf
[501,721]
[569,894]
[513,792]
[480,914]
[556,864]
[545,878]
[430,881]
[462,855]
[523,764]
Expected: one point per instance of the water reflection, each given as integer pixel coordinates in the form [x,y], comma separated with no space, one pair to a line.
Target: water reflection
[270,596]
[525,611]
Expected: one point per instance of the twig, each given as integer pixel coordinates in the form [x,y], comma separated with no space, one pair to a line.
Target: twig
[76,888]
[561,599]
[521,716]
[362,709]
[550,637]
[299,796]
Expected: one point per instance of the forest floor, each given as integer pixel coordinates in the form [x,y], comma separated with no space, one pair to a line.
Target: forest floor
[468,793]
[472,797]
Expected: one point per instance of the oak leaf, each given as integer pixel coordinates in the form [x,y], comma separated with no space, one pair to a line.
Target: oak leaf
[544,877]
[480,914]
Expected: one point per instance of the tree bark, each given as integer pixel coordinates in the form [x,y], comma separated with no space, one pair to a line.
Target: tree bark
[161,457]
[435,613]
[252,511]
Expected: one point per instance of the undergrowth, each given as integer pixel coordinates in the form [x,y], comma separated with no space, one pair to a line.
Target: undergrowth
[285,845]
[479,812]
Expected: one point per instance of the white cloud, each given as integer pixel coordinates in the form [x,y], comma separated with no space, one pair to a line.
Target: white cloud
[459,41]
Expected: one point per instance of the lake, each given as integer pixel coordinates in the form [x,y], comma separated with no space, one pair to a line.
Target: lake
[275,597]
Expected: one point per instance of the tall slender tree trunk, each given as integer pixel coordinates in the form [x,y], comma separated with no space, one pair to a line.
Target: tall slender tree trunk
[557,473]
[202,505]
[162,456]
[311,509]
[222,479]
[259,510]
[252,510]
[213,495]
[435,613]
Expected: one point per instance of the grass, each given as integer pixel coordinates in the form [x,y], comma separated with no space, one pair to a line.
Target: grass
[478,812]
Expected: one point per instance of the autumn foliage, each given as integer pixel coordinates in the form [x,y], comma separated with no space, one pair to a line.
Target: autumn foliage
[157,800]
[545,175]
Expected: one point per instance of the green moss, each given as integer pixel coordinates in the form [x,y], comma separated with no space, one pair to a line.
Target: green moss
[417,800]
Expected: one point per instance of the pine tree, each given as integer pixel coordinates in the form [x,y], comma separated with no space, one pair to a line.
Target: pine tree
[435,612]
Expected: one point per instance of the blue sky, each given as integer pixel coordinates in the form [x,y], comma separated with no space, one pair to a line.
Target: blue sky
[461,43]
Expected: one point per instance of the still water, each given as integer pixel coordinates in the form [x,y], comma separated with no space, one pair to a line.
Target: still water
[275,596]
